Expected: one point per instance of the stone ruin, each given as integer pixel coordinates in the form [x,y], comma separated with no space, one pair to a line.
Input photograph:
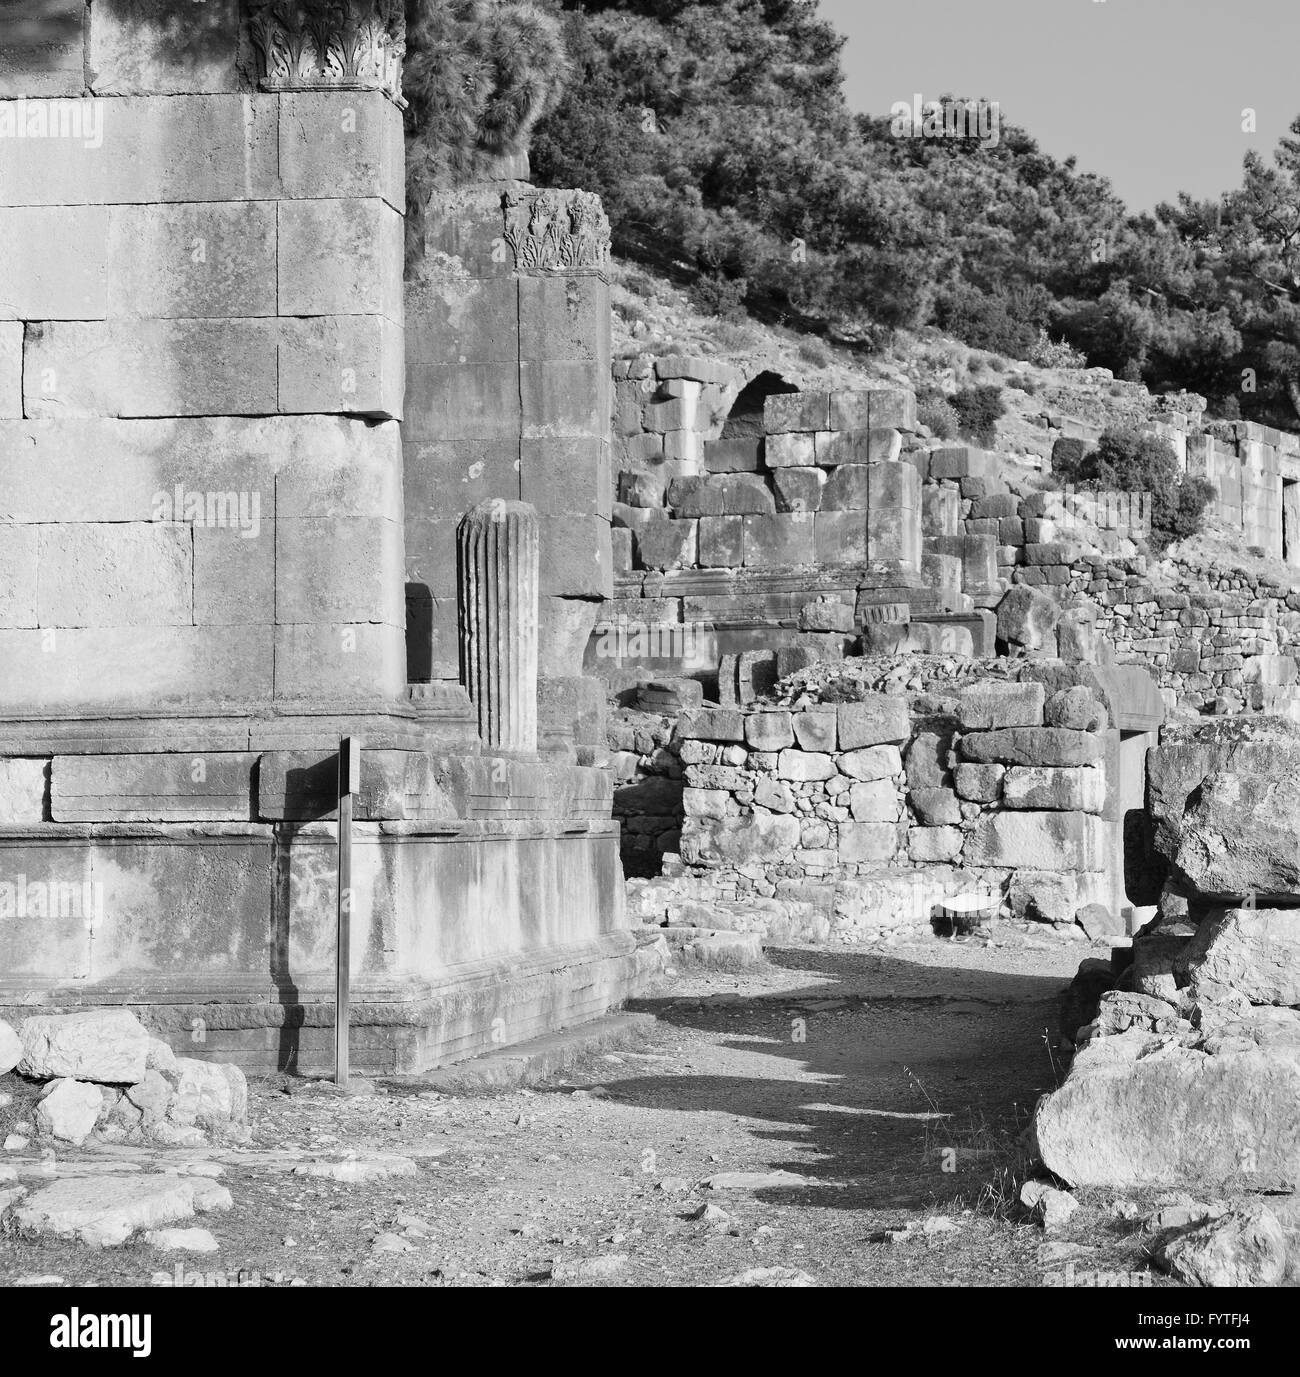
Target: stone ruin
[263,489]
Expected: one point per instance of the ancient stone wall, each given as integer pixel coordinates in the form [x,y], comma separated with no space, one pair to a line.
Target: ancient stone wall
[910,796]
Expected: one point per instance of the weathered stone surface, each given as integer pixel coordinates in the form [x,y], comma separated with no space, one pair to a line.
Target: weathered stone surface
[740,841]
[68,1110]
[182,1240]
[356,1171]
[993,705]
[1051,746]
[979,783]
[816,729]
[872,762]
[1039,841]
[927,761]
[1139,1110]
[1255,952]
[805,765]
[1027,618]
[104,1211]
[219,1091]
[769,731]
[1074,709]
[711,724]
[876,800]
[881,718]
[11,1048]
[1247,1247]
[107,1045]
[864,842]
[934,843]
[1242,836]
[1065,790]
[1098,921]
[936,807]
[1044,896]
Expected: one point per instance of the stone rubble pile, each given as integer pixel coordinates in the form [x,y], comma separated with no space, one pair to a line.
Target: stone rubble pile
[1188,1069]
[107,1077]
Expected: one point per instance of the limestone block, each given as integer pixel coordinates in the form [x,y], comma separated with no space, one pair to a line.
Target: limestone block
[1052,746]
[815,729]
[44,48]
[144,368]
[879,719]
[940,511]
[840,537]
[563,397]
[1065,790]
[109,575]
[19,547]
[348,364]
[782,451]
[565,474]
[11,370]
[1254,952]
[993,705]
[138,150]
[565,317]
[805,765]
[710,724]
[871,762]
[1239,836]
[68,1110]
[110,668]
[1044,896]
[667,545]
[55,264]
[705,803]
[455,321]
[339,258]
[739,841]
[471,401]
[931,844]
[739,455]
[875,800]
[721,542]
[108,1045]
[348,144]
[961,461]
[798,490]
[936,807]
[826,613]
[1076,709]
[783,539]
[24,786]
[894,540]
[337,569]
[866,842]
[894,485]
[769,731]
[1039,841]
[785,412]
[1028,618]
[846,489]
[162,787]
[234,576]
[564,630]
[136,46]
[979,783]
[192,261]
[339,660]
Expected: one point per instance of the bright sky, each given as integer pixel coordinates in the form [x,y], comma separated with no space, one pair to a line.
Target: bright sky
[1149,93]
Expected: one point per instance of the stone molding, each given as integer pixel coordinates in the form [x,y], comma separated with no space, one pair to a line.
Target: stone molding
[551,230]
[329,45]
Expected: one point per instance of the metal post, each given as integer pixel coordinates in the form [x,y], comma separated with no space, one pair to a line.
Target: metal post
[349,782]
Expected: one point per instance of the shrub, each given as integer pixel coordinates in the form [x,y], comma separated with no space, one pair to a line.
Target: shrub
[936,411]
[1047,353]
[978,411]
[718,295]
[1127,461]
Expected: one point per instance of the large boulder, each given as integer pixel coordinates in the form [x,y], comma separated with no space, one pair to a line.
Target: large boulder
[1253,747]
[68,1110]
[1142,1109]
[1255,952]
[1247,1247]
[11,1048]
[1242,835]
[1027,619]
[106,1045]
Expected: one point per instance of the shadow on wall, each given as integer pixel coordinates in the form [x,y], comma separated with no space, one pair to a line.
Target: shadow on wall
[745,420]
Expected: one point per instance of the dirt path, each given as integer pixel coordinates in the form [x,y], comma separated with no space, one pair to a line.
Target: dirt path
[895,1083]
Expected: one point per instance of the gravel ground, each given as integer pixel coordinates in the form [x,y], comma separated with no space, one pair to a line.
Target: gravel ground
[895,1084]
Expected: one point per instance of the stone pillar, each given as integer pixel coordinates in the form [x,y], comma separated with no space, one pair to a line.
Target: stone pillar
[499,573]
